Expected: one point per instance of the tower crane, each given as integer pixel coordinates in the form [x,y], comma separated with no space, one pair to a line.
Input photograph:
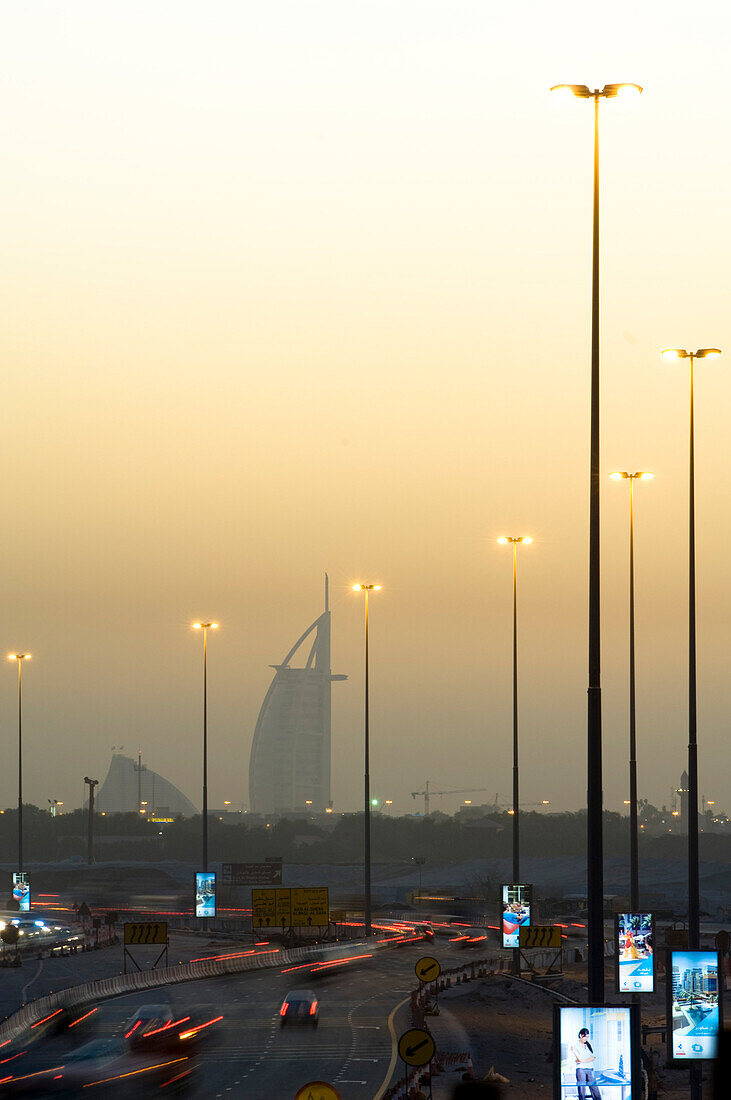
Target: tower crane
[427,794]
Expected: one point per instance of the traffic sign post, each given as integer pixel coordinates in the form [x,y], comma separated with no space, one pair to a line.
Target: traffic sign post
[542,936]
[427,971]
[416,1047]
[145,934]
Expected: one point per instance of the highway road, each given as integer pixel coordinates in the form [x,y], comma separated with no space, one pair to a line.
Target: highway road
[247,1053]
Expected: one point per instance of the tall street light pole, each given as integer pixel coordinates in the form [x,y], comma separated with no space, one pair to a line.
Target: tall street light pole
[694,914]
[693,869]
[595,853]
[634,850]
[205,627]
[367,588]
[20,657]
[515,541]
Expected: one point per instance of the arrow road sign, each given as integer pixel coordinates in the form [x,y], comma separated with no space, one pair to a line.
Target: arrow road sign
[427,969]
[416,1047]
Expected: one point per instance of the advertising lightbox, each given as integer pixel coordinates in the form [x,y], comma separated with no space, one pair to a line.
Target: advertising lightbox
[634,949]
[21,891]
[205,893]
[694,1006]
[516,903]
[596,1051]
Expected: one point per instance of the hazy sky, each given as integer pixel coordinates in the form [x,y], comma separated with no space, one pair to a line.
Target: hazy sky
[295,286]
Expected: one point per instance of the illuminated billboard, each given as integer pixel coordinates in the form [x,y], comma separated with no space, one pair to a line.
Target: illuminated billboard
[516,902]
[694,1008]
[596,1051]
[21,891]
[633,944]
[205,893]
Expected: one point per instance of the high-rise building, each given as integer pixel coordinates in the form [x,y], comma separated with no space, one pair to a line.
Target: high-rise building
[289,767]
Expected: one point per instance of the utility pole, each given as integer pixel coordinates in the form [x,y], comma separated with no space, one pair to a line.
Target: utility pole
[90,848]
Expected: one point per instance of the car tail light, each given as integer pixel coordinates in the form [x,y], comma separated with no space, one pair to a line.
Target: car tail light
[283,1009]
[313,1008]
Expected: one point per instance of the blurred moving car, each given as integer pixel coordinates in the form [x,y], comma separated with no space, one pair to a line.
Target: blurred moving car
[159,1026]
[104,1065]
[299,1007]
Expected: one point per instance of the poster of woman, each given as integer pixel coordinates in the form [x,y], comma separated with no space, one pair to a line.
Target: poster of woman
[595,1052]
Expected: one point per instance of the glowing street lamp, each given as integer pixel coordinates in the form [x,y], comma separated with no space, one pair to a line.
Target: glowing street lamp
[20,657]
[694,916]
[595,854]
[367,588]
[205,627]
[634,851]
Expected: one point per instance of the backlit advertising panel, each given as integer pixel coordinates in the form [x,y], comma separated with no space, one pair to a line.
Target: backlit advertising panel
[596,1052]
[205,893]
[21,891]
[694,1006]
[634,947]
[516,903]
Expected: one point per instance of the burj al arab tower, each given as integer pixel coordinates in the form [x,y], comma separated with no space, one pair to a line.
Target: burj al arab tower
[289,768]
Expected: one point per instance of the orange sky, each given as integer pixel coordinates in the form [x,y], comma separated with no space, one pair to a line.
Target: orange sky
[294,287]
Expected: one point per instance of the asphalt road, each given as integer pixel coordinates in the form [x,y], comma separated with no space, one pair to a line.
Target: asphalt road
[249,1054]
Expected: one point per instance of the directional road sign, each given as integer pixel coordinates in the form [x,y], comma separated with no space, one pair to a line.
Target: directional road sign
[317,1090]
[416,1047]
[140,933]
[310,906]
[263,908]
[427,969]
[540,935]
[282,907]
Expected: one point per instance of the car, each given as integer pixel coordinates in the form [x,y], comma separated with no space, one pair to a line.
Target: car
[299,1007]
[151,1027]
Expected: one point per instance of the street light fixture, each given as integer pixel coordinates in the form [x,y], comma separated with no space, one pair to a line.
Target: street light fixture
[367,589]
[20,657]
[634,851]
[205,627]
[693,868]
[595,853]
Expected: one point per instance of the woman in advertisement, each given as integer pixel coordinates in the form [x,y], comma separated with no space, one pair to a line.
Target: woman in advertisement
[584,1058]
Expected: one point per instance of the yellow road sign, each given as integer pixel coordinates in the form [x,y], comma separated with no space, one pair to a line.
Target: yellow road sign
[139,933]
[427,969]
[263,908]
[540,935]
[416,1047]
[283,903]
[310,906]
[317,1090]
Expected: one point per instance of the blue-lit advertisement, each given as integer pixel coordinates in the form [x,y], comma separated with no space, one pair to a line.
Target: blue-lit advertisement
[21,891]
[694,1008]
[205,893]
[515,901]
[596,1051]
[635,953]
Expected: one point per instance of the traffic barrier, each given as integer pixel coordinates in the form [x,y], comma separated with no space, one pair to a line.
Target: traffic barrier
[102,989]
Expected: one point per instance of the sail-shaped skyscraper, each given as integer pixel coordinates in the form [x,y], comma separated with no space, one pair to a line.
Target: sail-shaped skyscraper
[289,768]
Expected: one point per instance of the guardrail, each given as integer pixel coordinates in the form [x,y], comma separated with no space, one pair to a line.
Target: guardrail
[103,988]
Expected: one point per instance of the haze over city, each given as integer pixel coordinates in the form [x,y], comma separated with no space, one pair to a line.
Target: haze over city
[297,288]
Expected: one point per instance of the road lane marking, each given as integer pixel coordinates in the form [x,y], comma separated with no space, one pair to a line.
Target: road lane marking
[394,1050]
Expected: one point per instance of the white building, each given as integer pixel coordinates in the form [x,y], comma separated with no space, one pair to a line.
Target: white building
[289,767]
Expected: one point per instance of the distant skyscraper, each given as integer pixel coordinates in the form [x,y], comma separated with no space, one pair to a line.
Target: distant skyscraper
[289,767]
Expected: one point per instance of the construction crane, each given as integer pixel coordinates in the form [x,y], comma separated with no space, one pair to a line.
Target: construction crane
[427,794]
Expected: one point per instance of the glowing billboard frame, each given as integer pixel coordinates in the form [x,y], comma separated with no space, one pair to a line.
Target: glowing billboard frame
[21,891]
[509,929]
[205,893]
[703,1044]
[613,1061]
[635,972]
